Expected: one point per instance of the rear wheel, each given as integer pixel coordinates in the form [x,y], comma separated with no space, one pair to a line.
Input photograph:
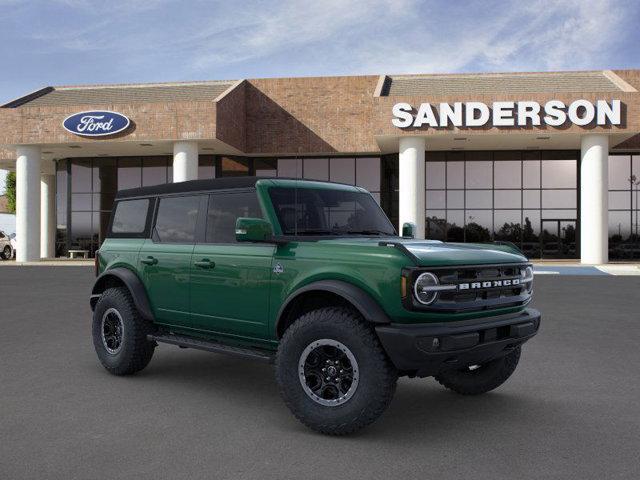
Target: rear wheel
[332,372]
[120,333]
[478,379]
[6,253]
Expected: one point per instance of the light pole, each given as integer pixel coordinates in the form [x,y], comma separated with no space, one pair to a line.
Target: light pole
[634,182]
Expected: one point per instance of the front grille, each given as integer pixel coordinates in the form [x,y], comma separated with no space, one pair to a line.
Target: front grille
[477,287]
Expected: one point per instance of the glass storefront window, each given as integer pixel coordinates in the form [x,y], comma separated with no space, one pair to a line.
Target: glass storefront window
[489,196]
[624,207]
[129,173]
[478,174]
[559,174]
[559,199]
[479,198]
[316,168]
[455,198]
[436,199]
[81,175]
[435,173]
[479,224]
[531,198]
[154,171]
[507,174]
[342,170]
[455,174]
[507,199]
[531,174]
[266,167]
[290,167]
[206,166]
[619,172]
[234,167]
[368,173]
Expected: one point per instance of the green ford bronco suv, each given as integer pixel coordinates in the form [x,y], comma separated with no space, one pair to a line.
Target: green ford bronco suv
[312,277]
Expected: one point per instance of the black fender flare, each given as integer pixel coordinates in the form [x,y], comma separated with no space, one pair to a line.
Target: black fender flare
[370,310]
[133,284]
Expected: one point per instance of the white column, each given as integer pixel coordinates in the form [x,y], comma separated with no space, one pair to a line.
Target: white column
[47,215]
[27,203]
[594,201]
[411,183]
[185,161]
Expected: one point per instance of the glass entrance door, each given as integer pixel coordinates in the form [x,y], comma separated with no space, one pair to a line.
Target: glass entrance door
[558,238]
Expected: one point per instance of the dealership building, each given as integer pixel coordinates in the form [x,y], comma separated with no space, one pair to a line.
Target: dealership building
[549,161]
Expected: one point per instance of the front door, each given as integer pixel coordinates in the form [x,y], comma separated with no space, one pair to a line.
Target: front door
[165,259]
[558,238]
[230,281]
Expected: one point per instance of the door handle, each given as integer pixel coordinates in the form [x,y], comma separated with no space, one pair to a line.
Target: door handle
[149,260]
[204,263]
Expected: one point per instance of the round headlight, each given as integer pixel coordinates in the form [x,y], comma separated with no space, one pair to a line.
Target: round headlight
[423,288]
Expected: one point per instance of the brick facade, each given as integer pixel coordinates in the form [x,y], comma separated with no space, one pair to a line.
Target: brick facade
[314,115]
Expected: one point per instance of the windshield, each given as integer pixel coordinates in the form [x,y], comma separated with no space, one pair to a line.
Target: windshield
[317,211]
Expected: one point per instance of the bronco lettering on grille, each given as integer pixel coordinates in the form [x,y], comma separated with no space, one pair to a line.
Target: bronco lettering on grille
[509,282]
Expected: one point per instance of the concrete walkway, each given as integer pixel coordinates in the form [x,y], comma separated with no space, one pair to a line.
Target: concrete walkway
[52,262]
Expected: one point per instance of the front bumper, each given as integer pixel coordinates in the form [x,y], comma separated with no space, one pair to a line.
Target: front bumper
[427,349]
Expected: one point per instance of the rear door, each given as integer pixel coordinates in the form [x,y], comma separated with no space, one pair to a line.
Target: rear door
[229,280]
[165,259]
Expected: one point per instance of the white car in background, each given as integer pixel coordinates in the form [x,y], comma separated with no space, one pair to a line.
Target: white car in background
[7,245]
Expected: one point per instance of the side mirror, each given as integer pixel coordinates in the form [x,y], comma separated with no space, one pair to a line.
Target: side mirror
[408,230]
[252,230]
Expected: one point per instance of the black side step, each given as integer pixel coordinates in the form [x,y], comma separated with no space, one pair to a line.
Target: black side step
[216,347]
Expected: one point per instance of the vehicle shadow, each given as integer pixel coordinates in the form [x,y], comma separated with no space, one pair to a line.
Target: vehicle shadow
[420,406]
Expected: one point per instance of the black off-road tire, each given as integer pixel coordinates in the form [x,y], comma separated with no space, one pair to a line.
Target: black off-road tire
[136,351]
[7,253]
[483,379]
[377,376]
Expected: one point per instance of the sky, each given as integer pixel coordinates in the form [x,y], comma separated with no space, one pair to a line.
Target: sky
[71,42]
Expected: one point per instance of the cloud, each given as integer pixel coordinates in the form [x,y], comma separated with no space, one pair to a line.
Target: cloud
[83,41]
[538,35]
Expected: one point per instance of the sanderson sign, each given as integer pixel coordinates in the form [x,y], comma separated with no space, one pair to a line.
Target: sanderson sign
[554,113]
[96,123]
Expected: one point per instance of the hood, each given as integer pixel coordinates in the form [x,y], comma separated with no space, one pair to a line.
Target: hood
[430,253]
[433,253]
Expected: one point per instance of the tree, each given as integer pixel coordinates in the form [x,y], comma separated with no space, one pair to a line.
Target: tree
[528,233]
[10,185]
[477,233]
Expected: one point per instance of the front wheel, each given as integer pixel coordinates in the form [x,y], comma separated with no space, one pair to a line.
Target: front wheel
[120,333]
[333,373]
[478,379]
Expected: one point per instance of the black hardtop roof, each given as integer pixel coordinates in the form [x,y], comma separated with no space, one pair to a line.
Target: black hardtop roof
[225,183]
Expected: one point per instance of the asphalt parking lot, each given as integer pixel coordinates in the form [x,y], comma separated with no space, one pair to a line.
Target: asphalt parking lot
[571,410]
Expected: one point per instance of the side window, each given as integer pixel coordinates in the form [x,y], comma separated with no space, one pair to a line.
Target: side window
[224,209]
[130,216]
[176,220]
[2,235]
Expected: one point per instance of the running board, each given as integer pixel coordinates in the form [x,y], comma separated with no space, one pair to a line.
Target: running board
[216,347]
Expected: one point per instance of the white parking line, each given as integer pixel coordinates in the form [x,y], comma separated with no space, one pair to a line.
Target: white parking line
[545,272]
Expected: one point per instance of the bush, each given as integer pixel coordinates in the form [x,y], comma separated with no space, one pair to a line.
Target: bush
[10,184]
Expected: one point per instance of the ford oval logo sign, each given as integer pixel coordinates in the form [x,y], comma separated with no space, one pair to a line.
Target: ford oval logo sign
[96,124]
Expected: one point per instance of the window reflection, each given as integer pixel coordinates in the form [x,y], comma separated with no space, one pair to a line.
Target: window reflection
[624,201]
[486,196]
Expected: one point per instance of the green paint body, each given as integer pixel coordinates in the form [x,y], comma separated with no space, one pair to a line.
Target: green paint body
[239,298]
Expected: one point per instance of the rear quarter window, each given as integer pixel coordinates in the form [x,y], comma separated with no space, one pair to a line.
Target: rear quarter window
[176,219]
[130,217]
